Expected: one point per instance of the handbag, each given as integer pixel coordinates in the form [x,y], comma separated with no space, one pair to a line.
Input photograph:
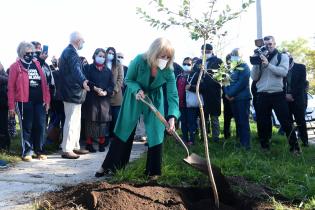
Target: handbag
[191,97]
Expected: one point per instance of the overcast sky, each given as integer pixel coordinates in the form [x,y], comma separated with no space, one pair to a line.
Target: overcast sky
[105,23]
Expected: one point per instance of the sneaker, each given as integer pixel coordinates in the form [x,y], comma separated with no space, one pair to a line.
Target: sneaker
[3,164]
[27,158]
[90,148]
[101,147]
[41,157]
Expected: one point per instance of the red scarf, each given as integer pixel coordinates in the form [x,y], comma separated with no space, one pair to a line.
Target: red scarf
[99,66]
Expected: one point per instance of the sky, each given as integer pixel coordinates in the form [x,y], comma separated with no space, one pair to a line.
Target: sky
[105,23]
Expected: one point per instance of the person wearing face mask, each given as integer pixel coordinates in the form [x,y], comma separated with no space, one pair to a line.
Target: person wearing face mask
[54,64]
[28,94]
[145,77]
[118,78]
[73,89]
[238,94]
[96,108]
[210,90]
[188,115]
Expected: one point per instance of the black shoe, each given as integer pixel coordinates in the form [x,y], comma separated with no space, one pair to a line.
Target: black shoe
[90,148]
[101,147]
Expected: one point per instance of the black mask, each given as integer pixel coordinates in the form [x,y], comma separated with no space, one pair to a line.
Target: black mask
[37,54]
[28,57]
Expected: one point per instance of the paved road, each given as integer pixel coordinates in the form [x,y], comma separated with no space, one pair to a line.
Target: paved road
[22,183]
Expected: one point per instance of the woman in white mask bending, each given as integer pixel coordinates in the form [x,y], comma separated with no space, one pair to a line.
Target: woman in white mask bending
[146,74]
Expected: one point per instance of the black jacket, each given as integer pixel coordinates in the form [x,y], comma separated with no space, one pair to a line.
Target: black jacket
[97,108]
[71,76]
[296,81]
[209,88]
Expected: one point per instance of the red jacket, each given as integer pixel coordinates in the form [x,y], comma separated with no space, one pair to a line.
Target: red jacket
[18,84]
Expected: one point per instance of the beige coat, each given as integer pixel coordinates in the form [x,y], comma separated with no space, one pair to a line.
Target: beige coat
[118,79]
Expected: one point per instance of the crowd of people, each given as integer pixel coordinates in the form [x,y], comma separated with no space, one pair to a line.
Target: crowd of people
[71,100]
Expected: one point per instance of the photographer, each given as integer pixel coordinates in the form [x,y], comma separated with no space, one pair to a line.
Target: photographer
[270,94]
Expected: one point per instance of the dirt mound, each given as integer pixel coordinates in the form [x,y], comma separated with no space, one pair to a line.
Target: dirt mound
[105,196]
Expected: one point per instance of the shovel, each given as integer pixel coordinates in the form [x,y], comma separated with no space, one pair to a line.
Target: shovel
[193,159]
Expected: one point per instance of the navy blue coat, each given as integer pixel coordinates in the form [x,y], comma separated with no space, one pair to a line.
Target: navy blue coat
[71,76]
[239,86]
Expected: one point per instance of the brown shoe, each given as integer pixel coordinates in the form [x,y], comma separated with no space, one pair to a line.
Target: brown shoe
[69,155]
[81,151]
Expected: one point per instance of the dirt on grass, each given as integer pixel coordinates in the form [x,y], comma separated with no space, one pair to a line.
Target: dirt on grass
[126,196]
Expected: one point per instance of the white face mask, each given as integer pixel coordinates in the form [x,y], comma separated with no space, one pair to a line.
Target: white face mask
[235,58]
[99,60]
[80,45]
[209,55]
[162,63]
[110,57]
[120,60]
[186,68]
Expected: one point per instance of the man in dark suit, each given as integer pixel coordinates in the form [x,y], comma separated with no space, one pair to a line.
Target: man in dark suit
[210,90]
[295,95]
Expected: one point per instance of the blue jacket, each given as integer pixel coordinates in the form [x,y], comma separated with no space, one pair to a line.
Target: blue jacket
[239,86]
[71,76]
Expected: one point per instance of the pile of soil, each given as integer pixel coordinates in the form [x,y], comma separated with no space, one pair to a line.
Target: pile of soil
[124,196]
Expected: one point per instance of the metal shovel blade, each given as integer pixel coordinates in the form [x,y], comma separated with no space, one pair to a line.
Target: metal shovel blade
[197,162]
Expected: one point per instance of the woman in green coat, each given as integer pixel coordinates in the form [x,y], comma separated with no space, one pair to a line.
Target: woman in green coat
[146,75]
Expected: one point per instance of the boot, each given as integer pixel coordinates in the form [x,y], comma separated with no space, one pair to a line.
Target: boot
[90,148]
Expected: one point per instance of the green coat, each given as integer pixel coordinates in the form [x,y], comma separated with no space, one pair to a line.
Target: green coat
[138,77]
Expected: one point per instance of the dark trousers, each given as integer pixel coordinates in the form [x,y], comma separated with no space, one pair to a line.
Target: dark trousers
[240,111]
[265,103]
[227,116]
[188,119]
[297,109]
[4,133]
[115,111]
[33,118]
[119,154]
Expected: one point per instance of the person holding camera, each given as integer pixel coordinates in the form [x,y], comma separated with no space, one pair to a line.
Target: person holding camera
[269,75]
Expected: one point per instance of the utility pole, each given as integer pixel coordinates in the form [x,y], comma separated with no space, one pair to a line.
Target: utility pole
[259,19]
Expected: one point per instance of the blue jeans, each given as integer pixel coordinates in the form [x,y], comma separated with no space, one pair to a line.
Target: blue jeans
[33,118]
[188,121]
[240,111]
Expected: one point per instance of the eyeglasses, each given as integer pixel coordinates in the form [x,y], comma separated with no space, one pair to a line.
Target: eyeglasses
[29,53]
[121,57]
[186,64]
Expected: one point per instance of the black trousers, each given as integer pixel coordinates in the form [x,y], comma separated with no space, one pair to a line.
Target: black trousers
[4,133]
[265,103]
[119,154]
[297,109]
[227,116]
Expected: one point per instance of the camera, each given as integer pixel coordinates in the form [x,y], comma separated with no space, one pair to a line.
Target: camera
[261,50]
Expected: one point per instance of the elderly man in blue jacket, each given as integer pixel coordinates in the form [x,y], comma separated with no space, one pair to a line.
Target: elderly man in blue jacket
[73,87]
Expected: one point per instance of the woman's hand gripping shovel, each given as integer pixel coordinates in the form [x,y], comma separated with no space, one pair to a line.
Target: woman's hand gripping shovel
[192,159]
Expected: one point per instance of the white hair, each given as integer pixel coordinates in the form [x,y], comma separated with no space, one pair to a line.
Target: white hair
[74,36]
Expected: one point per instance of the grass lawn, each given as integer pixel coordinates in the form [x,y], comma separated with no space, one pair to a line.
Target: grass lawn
[284,173]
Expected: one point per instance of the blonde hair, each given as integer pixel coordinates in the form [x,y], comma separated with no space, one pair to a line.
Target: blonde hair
[23,47]
[159,46]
